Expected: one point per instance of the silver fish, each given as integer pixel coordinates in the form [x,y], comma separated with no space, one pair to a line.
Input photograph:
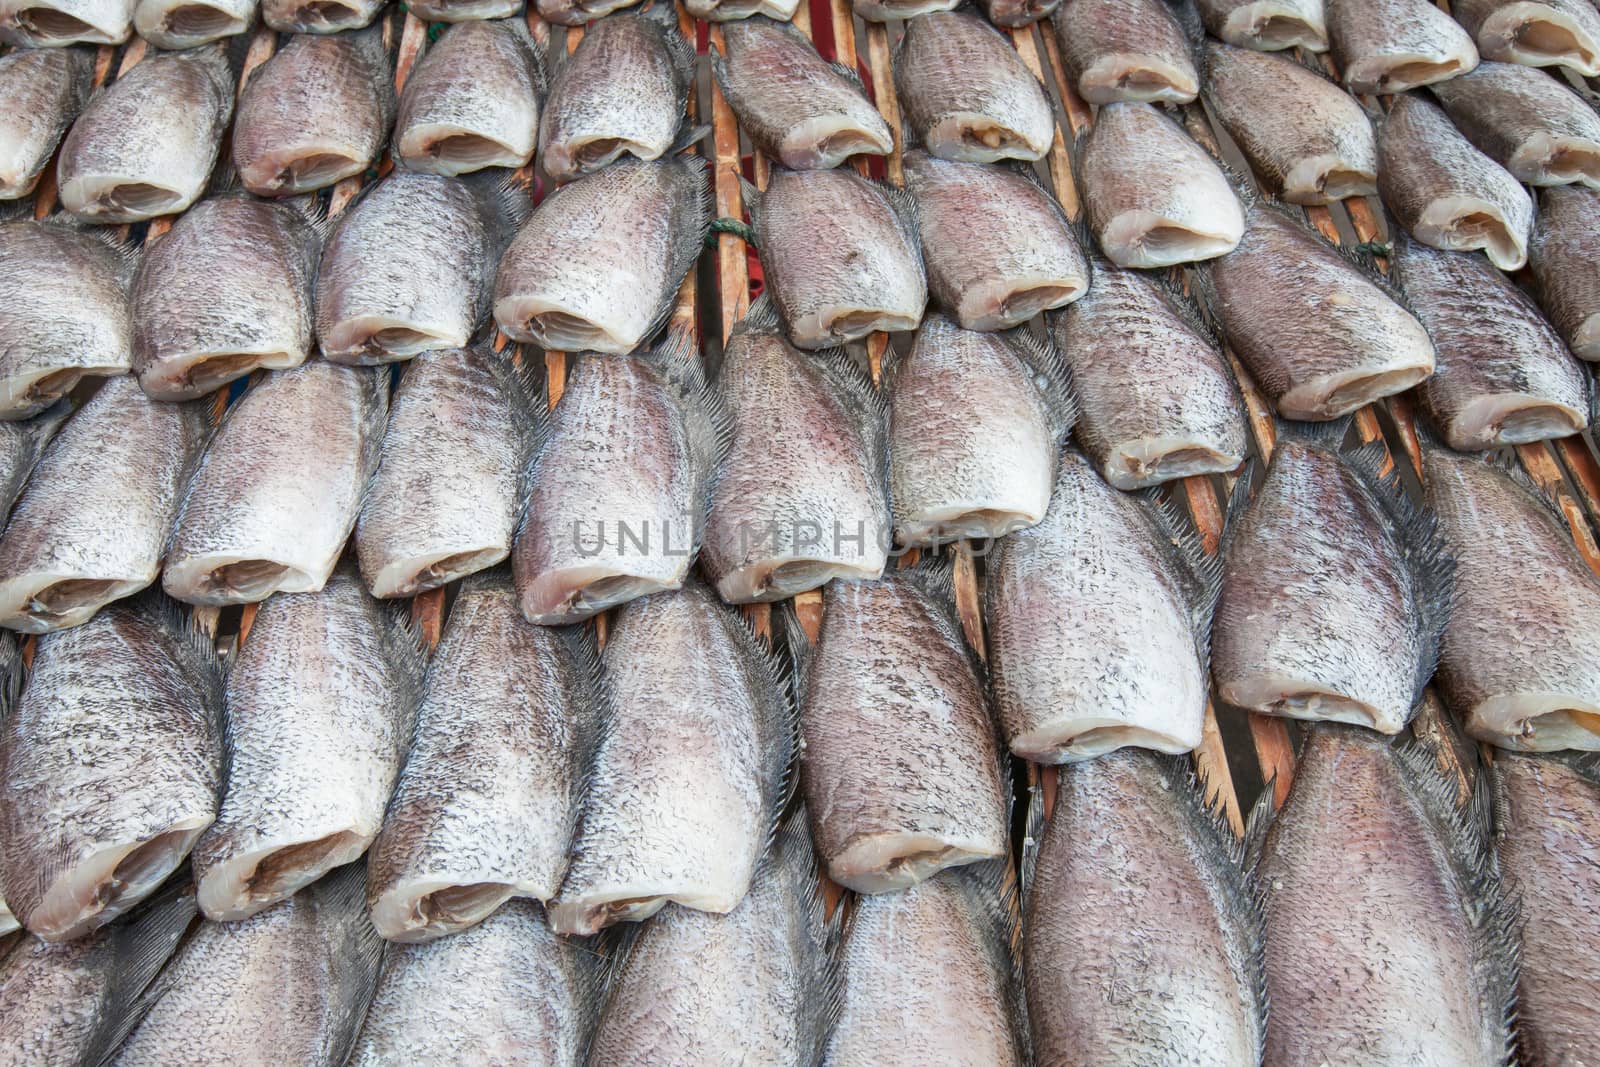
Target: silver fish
[1156,401]
[599,262]
[578,12]
[318,111]
[467,10]
[321,701]
[287,987]
[900,764]
[507,991]
[44,90]
[410,266]
[976,421]
[1335,588]
[1504,376]
[1018,13]
[998,248]
[1127,50]
[1521,581]
[1143,930]
[228,291]
[885,10]
[52,23]
[932,968]
[693,768]
[802,496]
[623,91]
[1528,122]
[485,807]
[967,95]
[1321,335]
[1155,197]
[110,767]
[841,255]
[319,16]
[795,106]
[1535,33]
[1267,25]
[472,101]
[146,146]
[758,985]
[1389,46]
[1072,678]
[22,442]
[1565,258]
[63,312]
[1310,139]
[444,501]
[92,525]
[189,23]
[1375,887]
[732,10]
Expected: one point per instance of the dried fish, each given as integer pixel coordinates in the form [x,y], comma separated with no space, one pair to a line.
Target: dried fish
[733,10]
[578,12]
[1389,46]
[44,90]
[1018,13]
[885,10]
[467,11]
[1565,258]
[1267,25]
[1528,122]
[319,16]
[190,23]
[1535,33]
[52,23]
[1127,50]
[22,442]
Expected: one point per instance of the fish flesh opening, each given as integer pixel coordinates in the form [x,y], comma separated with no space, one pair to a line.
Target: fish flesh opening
[242,886]
[1249,26]
[204,372]
[1552,33]
[1385,75]
[202,21]
[241,580]
[1358,389]
[1465,222]
[464,10]
[456,150]
[47,26]
[1152,460]
[445,909]
[114,199]
[1563,160]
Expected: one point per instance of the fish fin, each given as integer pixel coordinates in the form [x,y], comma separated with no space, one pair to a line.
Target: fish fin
[1034,826]
[854,388]
[1199,571]
[374,419]
[1051,377]
[503,202]
[761,319]
[1186,305]
[772,679]
[934,577]
[36,433]
[691,221]
[689,134]
[404,652]
[594,710]
[533,55]
[851,75]
[708,422]
[793,858]
[751,196]
[370,51]
[1330,435]
[521,382]
[906,213]
[193,648]
[1263,813]
[142,944]
[354,951]
[992,890]
[680,50]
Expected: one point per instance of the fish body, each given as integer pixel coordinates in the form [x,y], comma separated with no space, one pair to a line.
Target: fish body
[179,24]
[886,10]
[1267,25]
[1564,255]
[1389,46]
[1535,33]
[737,10]
[466,10]
[319,16]
[54,23]
[22,442]
[1117,50]
[1528,122]
[45,89]
[578,12]
[1015,14]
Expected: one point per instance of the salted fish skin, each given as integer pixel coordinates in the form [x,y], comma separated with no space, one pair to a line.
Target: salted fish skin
[1536,33]
[46,89]
[598,264]
[467,412]
[227,291]
[1155,197]
[1156,400]
[1519,574]
[725,11]
[1565,261]
[1267,25]
[1016,14]
[485,806]
[57,23]
[410,266]
[1071,679]
[693,767]
[473,100]
[841,253]
[92,525]
[888,10]
[63,311]
[1504,376]
[176,24]
[1310,139]
[578,12]
[319,16]
[966,93]
[769,534]
[110,767]
[1528,122]
[22,442]
[1390,46]
[798,108]
[454,11]
[1143,926]
[1375,883]
[1117,51]
[320,705]
[317,112]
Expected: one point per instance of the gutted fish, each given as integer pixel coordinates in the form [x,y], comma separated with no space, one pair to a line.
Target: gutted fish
[286,987]
[1018,13]
[733,10]
[410,267]
[190,23]
[228,291]
[321,701]
[1535,33]
[1127,50]
[1267,25]
[466,10]
[1565,257]
[622,92]
[1504,376]
[885,10]
[508,990]
[1376,887]
[997,247]
[578,12]
[841,255]
[976,422]
[598,264]
[472,101]
[52,23]
[1308,138]
[967,95]
[278,490]
[44,90]
[485,807]
[1155,197]
[1098,620]
[63,312]
[22,442]
[802,497]
[1389,46]
[900,764]
[319,110]
[693,768]
[1518,663]
[319,16]
[795,106]
[1144,931]
[758,985]
[1321,334]
[92,525]
[445,498]
[1156,401]
[1528,122]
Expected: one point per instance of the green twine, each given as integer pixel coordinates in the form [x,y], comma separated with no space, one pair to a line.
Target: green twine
[733,226]
[434,30]
[1374,248]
